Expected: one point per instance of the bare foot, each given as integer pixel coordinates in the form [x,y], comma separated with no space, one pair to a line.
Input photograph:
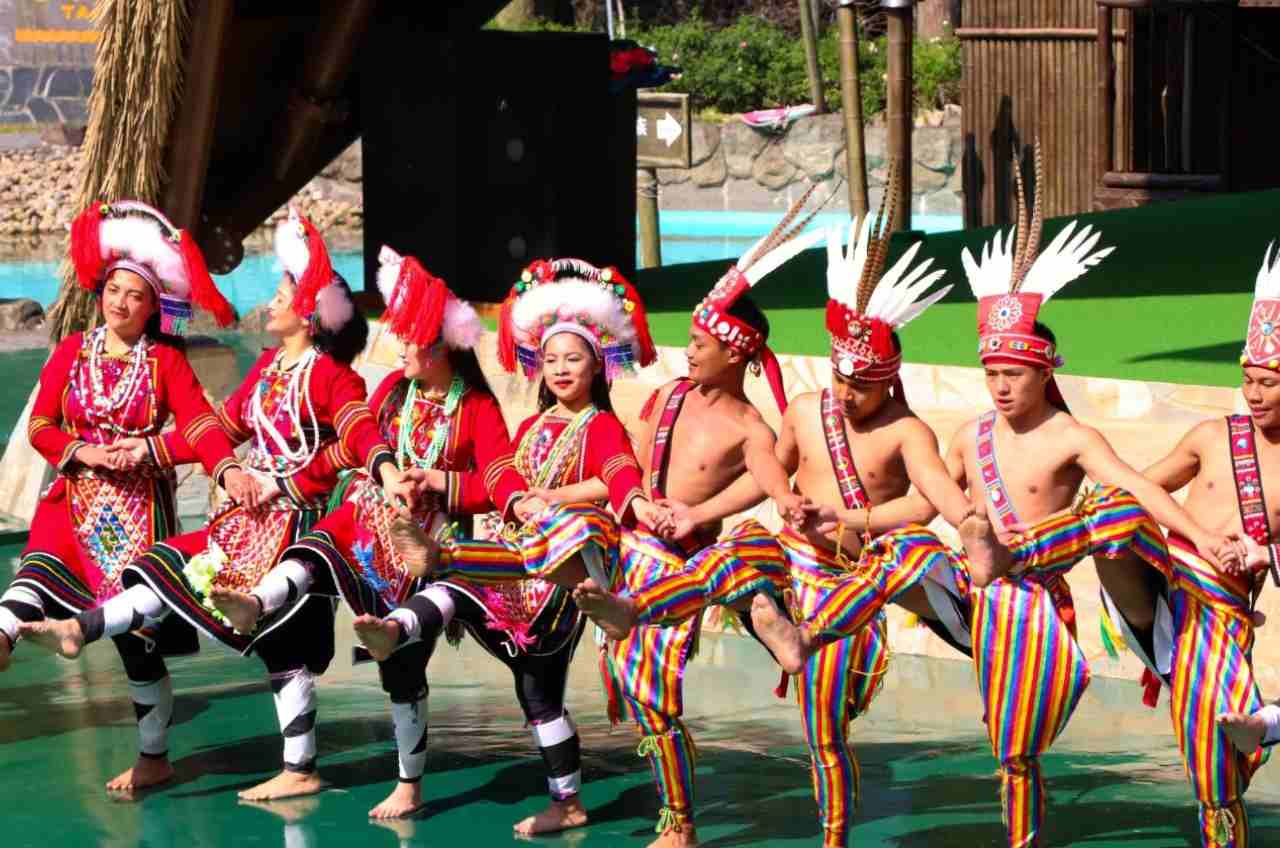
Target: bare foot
[779,635]
[560,815]
[62,637]
[616,614]
[379,635]
[286,784]
[681,836]
[1245,731]
[6,651]
[989,559]
[292,810]
[404,800]
[420,552]
[147,771]
[241,609]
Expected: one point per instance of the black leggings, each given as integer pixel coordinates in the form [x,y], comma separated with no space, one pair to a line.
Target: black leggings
[539,678]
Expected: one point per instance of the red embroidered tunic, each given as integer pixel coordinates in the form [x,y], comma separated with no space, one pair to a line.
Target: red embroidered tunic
[95,522]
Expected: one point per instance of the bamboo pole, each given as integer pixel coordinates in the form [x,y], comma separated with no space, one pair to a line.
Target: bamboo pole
[808,32]
[647,211]
[855,148]
[898,109]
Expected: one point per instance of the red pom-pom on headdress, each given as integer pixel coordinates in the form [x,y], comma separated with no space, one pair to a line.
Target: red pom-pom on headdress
[86,246]
[204,293]
[506,334]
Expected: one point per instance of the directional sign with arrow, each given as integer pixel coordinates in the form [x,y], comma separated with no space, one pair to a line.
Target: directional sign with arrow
[662,130]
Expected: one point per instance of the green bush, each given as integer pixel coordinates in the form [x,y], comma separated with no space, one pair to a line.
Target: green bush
[754,64]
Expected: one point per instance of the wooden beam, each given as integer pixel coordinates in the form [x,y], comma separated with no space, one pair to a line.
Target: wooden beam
[1035,33]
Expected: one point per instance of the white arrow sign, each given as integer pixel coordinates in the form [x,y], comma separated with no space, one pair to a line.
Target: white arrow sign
[669,129]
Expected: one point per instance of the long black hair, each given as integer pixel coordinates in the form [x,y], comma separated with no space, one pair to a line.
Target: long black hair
[465,365]
[346,343]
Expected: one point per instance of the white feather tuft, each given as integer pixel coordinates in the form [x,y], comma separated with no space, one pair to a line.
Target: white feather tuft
[894,300]
[772,260]
[389,263]
[1066,258]
[1268,281]
[291,246]
[142,240]
[995,270]
[462,326]
[844,265]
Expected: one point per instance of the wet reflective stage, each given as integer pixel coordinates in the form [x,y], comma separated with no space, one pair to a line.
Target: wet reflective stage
[1115,778]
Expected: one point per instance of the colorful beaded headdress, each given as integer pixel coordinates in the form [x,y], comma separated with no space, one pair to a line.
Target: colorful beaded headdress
[421,309]
[135,237]
[1262,344]
[712,314]
[572,296]
[867,304]
[1013,283]
[321,297]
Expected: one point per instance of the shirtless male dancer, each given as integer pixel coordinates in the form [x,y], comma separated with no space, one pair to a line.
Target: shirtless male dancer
[1045,455]
[866,358]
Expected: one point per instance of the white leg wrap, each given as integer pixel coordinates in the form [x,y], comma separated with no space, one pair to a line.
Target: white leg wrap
[410,627]
[137,606]
[23,595]
[287,582]
[9,625]
[593,559]
[153,707]
[440,596]
[558,743]
[1271,715]
[295,697]
[410,721]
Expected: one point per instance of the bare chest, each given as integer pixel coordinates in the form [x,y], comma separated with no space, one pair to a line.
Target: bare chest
[876,458]
[1032,476]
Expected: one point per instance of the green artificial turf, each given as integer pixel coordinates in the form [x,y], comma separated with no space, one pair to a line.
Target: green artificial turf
[1171,303]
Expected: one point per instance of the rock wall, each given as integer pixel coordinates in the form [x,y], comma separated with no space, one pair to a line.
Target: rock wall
[740,168]
[45,78]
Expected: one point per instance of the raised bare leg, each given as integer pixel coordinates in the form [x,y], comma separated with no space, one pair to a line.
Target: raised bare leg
[989,559]
[1245,730]
[558,816]
[616,614]
[62,637]
[420,552]
[790,647]
[379,635]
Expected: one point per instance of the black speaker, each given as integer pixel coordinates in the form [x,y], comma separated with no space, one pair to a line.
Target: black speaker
[485,151]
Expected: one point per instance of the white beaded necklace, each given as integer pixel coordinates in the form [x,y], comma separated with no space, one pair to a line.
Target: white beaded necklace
[99,406]
[286,461]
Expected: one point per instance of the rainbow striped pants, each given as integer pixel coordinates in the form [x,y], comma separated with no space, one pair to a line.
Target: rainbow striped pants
[836,685]
[747,561]
[645,672]
[1212,673]
[537,549]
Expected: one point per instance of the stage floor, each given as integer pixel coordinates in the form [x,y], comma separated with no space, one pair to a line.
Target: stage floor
[928,778]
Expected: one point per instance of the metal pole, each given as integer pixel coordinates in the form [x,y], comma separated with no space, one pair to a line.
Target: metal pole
[855,149]
[898,110]
[808,31]
[647,208]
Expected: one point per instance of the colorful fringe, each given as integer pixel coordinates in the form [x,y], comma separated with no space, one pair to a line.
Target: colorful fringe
[837,685]
[748,561]
[1212,674]
[673,757]
[537,549]
[890,566]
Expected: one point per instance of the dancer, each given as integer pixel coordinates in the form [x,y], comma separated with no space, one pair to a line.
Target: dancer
[702,442]
[1193,624]
[107,505]
[580,327]
[1020,628]
[303,409]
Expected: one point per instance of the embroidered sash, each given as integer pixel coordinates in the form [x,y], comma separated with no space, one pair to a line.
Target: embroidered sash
[998,497]
[1248,478]
[851,490]
[662,439]
[992,482]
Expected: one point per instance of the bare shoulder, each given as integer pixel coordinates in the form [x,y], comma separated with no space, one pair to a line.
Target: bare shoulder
[1207,433]
[804,404]
[913,428]
[966,433]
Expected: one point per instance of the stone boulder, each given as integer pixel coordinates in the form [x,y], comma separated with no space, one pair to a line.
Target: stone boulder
[813,145]
[741,145]
[21,313]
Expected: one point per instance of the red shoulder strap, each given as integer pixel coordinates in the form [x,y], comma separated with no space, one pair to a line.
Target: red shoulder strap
[851,490]
[662,438]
